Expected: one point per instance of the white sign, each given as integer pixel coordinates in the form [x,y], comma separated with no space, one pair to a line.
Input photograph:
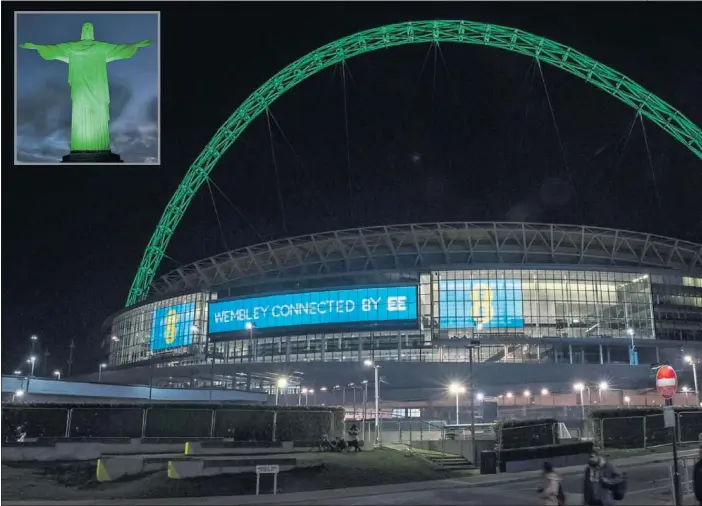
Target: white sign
[272,469]
[668,417]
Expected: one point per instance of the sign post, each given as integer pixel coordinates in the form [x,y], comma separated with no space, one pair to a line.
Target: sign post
[667,386]
[270,469]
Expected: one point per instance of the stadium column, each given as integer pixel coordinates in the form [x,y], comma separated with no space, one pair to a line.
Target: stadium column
[570,353]
[601,356]
[399,345]
[287,348]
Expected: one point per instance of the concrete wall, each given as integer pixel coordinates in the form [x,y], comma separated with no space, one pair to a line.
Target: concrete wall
[462,447]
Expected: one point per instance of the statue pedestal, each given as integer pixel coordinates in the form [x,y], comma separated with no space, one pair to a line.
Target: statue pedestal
[92,157]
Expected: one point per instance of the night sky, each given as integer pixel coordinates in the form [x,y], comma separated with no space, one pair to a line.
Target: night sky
[462,133]
[44,96]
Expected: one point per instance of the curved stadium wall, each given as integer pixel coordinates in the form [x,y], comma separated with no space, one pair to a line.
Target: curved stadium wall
[526,291]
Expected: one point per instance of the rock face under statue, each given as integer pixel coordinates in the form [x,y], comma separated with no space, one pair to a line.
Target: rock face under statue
[92,157]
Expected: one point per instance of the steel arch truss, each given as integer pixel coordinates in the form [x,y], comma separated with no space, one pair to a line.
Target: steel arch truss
[465,32]
[432,246]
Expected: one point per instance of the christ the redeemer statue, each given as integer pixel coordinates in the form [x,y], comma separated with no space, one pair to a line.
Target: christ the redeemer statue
[87,61]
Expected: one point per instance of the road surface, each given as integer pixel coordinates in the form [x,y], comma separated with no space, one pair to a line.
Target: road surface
[649,484]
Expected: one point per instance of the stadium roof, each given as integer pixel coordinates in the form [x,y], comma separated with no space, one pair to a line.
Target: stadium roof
[427,246]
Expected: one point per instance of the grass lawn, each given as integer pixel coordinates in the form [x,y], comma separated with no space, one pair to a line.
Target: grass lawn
[337,470]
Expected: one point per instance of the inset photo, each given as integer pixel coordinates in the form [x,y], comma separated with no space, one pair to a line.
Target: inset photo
[87,88]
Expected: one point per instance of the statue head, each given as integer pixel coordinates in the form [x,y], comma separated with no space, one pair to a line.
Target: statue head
[88,32]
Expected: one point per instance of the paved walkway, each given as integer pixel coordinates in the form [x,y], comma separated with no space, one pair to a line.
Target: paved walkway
[484,489]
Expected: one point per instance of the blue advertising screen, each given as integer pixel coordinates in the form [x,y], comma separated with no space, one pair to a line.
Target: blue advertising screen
[172,326]
[350,306]
[466,303]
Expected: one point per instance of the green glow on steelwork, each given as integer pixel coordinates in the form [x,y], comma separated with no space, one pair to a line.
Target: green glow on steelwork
[87,61]
[416,32]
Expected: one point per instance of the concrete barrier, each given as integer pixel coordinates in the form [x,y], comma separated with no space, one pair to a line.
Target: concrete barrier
[86,449]
[114,468]
[211,466]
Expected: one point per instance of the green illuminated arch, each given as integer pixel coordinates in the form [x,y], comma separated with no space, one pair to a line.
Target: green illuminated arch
[466,32]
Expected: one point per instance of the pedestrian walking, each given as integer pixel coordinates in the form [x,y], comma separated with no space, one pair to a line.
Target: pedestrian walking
[551,491]
[604,483]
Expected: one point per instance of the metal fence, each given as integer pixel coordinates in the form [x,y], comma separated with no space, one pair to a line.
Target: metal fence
[646,431]
[164,422]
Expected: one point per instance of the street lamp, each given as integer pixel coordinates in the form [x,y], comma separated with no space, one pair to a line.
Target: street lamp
[18,393]
[369,363]
[633,360]
[32,360]
[311,392]
[602,387]
[102,366]
[457,389]
[18,372]
[249,326]
[580,387]
[690,360]
[34,340]
[299,396]
[280,384]
[627,399]
[480,396]
[57,373]
[686,390]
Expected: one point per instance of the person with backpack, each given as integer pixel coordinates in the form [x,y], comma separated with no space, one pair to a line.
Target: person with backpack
[551,491]
[604,483]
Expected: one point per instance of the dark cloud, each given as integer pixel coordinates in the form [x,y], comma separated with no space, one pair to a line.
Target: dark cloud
[44,120]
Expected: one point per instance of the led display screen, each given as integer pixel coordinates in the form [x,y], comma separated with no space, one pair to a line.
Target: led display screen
[359,307]
[466,303]
[173,326]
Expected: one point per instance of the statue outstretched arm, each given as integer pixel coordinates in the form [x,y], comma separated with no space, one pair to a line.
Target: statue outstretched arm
[123,51]
[48,51]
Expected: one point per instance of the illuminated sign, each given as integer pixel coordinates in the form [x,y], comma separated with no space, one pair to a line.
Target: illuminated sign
[495,303]
[173,326]
[357,307]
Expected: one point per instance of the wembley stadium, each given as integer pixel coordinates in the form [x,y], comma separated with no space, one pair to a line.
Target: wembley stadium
[521,311]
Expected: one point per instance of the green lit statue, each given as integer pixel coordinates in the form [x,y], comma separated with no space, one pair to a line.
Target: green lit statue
[87,61]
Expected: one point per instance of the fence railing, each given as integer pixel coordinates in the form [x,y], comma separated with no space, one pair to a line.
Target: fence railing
[646,431]
[164,422]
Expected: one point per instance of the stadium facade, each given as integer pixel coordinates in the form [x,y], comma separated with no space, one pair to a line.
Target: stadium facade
[531,305]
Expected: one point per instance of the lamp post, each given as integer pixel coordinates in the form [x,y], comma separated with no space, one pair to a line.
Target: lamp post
[365,409]
[580,387]
[693,362]
[302,392]
[281,383]
[634,359]
[57,373]
[32,360]
[18,372]
[457,390]
[602,387]
[686,390]
[335,388]
[311,392]
[509,395]
[353,385]
[369,363]
[627,400]
[33,339]
[102,366]
[474,343]
[18,393]
[249,326]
